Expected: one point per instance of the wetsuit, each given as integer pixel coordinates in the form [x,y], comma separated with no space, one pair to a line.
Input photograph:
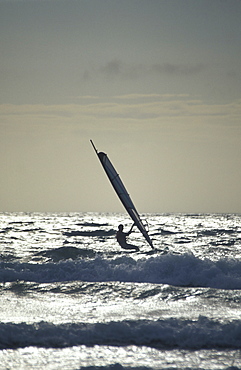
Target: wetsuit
[121,238]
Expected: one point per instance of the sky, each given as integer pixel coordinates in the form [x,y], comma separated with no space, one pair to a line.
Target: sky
[156,84]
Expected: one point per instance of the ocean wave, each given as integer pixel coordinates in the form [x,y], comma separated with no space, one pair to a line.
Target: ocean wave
[170,333]
[178,270]
[214,232]
[64,253]
[92,224]
[90,233]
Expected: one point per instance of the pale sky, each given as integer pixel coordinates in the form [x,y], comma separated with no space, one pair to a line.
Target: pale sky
[155,84]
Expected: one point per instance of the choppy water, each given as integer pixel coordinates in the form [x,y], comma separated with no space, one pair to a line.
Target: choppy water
[71,298]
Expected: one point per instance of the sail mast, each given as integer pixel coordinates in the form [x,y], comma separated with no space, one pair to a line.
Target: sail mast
[122,192]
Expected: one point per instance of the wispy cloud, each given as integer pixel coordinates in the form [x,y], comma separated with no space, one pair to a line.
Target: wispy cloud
[138,107]
[178,69]
[151,96]
[116,68]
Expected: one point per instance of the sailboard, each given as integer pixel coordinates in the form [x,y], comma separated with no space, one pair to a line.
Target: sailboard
[122,193]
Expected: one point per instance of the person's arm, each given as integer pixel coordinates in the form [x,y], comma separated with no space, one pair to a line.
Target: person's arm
[130,229]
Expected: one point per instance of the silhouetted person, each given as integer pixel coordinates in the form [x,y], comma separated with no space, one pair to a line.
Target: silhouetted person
[121,238]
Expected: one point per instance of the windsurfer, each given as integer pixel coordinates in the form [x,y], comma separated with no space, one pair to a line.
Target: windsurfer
[121,238]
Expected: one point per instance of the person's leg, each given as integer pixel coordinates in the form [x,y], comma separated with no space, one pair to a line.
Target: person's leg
[131,246]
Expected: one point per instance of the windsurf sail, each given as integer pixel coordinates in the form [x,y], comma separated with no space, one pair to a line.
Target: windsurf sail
[122,192]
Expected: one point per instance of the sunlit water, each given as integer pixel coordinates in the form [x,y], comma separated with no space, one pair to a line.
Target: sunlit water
[71,298]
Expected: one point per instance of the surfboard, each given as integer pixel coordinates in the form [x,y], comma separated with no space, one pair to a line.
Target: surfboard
[122,193]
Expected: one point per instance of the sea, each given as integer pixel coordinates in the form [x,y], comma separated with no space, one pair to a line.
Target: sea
[71,298]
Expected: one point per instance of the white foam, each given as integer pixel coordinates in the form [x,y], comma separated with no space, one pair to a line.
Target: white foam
[170,333]
[179,270]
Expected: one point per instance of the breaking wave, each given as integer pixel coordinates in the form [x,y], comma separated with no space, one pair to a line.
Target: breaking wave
[170,333]
[179,270]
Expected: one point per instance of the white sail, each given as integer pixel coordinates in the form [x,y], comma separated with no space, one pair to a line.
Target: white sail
[122,193]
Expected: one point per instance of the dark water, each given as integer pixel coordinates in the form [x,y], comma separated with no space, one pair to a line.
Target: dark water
[71,298]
